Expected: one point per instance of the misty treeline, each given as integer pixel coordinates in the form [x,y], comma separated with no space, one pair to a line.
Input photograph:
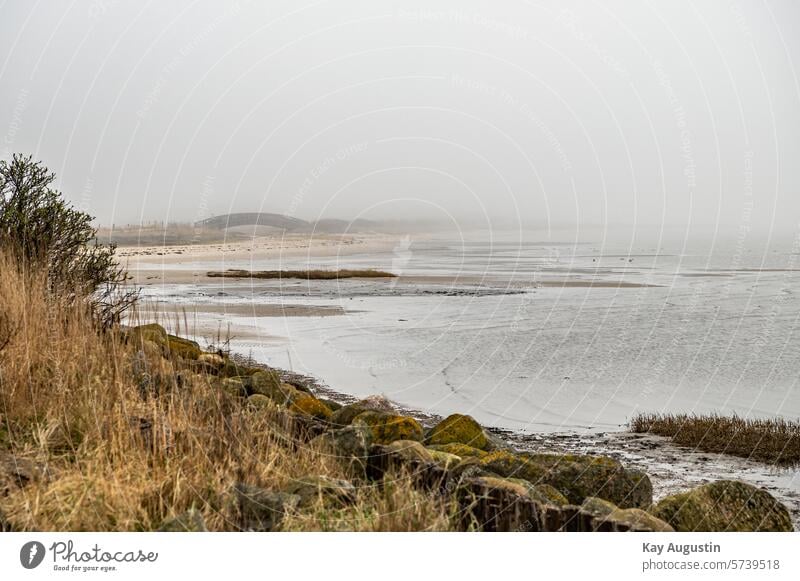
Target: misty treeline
[41,231]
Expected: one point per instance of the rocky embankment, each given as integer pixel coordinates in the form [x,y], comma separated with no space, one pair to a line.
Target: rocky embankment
[492,486]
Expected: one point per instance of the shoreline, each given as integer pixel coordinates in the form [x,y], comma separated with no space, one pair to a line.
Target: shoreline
[671,468]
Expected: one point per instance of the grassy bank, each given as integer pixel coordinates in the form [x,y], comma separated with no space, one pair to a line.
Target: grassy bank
[303,274]
[775,440]
[103,431]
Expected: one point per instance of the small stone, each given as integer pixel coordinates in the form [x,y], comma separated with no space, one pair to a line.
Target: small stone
[191,521]
[263,510]
[312,488]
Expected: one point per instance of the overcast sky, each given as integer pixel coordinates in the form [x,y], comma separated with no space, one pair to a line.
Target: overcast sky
[522,112]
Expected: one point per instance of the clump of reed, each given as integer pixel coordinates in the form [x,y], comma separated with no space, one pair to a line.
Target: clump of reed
[770,440]
[318,274]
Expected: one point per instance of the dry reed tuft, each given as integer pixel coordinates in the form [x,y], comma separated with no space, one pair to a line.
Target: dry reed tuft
[774,440]
[303,274]
[122,440]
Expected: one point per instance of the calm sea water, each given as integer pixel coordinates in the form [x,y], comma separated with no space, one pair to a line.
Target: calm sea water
[711,328]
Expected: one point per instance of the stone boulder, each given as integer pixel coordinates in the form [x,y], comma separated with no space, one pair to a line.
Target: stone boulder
[183,348]
[16,472]
[261,402]
[151,332]
[444,459]
[330,490]
[233,386]
[348,442]
[213,360]
[458,429]
[635,519]
[408,451]
[576,477]
[596,514]
[725,505]
[345,415]
[461,450]
[305,404]
[268,383]
[388,428]
[263,510]
[191,521]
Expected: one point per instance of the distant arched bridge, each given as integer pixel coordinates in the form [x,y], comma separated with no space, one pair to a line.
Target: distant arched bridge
[253,219]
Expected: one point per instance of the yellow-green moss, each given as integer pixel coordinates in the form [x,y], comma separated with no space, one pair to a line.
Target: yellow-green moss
[547,494]
[387,428]
[458,429]
[725,505]
[409,450]
[638,519]
[576,477]
[268,383]
[261,402]
[513,485]
[461,450]
[308,405]
[183,347]
[152,332]
[444,459]
[233,386]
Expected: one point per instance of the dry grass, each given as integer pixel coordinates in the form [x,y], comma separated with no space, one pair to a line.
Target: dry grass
[775,441]
[303,274]
[120,444]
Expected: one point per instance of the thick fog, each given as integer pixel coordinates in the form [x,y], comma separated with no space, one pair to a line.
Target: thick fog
[535,114]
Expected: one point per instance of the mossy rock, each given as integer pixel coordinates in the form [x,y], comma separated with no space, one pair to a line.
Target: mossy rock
[233,386]
[191,521]
[231,368]
[350,444]
[458,429]
[345,415]
[725,505]
[461,450]
[576,477]
[510,465]
[541,493]
[597,507]
[512,485]
[183,348]
[268,383]
[151,332]
[260,509]
[152,349]
[261,402]
[332,405]
[211,359]
[638,520]
[328,490]
[388,428]
[547,494]
[303,403]
[408,450]
[444,459]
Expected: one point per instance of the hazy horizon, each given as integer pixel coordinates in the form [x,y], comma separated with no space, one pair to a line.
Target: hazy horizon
[522,116]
